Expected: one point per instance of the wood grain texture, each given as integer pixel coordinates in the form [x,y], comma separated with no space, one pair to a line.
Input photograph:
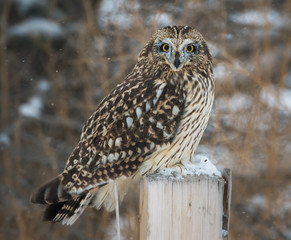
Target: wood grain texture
[174,208]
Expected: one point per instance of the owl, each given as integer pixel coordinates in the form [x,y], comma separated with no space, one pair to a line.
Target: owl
[153,120]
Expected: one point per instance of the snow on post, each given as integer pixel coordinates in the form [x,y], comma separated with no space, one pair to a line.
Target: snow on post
[193,204]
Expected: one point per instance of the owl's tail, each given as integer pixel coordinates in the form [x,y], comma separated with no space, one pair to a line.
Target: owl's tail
[62,207]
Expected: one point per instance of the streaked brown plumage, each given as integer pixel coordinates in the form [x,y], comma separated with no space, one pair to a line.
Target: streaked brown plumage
[153,120]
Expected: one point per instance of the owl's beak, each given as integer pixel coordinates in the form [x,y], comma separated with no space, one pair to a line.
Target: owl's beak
[177,62]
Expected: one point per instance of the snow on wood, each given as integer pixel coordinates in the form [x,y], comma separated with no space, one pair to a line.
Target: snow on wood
[187,206]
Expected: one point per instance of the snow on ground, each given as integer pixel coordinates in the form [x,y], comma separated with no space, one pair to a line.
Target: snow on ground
[25,5]
[162,19]
[284,201]
[214,49]
[36,27]
[221,156]
[200,165]
[277,98]
[258,18]
[114,12]
[4,139]
[43,85]
[257,201]
[32,108]
[219,71]
[233,110]
[238,102]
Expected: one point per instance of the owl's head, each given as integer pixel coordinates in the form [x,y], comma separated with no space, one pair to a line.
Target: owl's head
[177,48]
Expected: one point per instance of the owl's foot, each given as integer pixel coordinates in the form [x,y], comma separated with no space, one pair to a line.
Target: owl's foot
[202,166]
[179,168]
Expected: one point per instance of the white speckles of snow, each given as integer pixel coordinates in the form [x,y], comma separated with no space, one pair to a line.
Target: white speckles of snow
[258,18]
[200,166]
[277,98]
[32,108]
[36,27]
[129,121]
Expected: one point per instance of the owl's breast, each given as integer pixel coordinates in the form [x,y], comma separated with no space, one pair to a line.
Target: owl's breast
[198,105]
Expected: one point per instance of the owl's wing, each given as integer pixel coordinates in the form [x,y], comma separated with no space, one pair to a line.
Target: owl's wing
[128,125]
[132,122]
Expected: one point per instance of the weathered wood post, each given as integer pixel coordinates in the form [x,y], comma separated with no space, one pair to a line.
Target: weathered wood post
[181,208]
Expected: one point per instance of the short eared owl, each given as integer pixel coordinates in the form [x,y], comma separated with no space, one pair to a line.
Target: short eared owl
[153,120]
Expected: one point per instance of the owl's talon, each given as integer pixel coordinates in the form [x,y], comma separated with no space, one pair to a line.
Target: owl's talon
[179,167]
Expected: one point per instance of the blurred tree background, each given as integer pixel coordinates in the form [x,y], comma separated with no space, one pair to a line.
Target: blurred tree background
[58,59]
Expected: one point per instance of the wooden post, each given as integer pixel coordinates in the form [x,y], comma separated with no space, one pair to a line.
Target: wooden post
[192,207]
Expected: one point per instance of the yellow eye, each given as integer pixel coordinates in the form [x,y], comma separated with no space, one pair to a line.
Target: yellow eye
[165,47]
[190,48]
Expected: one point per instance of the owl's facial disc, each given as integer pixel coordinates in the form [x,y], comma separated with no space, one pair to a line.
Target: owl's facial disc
[178,54]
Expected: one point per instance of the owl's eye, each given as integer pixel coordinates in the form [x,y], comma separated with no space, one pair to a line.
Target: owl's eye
[192,48]
[165,47]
